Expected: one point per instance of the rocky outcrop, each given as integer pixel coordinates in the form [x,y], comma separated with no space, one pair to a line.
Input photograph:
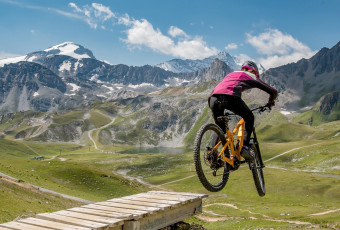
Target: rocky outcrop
[328,103]
[303,83]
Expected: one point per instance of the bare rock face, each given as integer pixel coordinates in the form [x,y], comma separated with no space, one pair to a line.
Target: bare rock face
[303,83]
[329,102]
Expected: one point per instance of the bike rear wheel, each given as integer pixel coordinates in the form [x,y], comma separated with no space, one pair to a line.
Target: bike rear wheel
[257,172]
[212,172]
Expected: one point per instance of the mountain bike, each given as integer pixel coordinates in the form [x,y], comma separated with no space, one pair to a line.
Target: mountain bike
[216,155]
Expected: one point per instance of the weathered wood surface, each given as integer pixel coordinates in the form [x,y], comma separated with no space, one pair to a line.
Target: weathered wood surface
[145,211]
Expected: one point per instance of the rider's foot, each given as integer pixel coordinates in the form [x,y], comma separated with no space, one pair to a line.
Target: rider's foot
[247,154]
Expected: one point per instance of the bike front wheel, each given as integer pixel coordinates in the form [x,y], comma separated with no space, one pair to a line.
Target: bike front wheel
[257,172]
[212,172]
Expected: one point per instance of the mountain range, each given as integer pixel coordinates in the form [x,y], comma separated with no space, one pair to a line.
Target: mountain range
[68,75]
[69,90]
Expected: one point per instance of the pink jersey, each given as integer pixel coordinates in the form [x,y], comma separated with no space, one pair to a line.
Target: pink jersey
[236,82]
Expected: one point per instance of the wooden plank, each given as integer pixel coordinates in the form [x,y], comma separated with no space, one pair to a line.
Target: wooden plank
[156,197]
[105,220]
[142,203]
[21,226]
[4,228]
[130,206]
[167,197]
[72,221]
[50,224]
[168,217]
[109,214]
[157,201]
[178,196]
[181,193]
[135,213]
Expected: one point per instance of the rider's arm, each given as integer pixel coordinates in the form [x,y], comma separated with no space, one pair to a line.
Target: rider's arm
[258,83]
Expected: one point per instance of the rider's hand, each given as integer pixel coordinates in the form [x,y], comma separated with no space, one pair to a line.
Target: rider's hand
[270,104]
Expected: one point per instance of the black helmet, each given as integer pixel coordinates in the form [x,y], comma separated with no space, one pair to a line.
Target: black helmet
[251,66]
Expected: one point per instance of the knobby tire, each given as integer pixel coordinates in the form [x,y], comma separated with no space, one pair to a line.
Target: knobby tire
[199,150]
[257,172]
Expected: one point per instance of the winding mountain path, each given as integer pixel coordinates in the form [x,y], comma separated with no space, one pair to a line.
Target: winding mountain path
[290,151]
[102,127]
[219,217]
[30,186]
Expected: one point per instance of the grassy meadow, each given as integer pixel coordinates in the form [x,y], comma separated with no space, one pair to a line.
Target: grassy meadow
[302,182]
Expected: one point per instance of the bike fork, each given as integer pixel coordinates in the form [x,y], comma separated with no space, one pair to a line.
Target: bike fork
[256,143]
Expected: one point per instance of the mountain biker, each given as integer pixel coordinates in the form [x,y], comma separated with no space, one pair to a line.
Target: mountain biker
[227,95]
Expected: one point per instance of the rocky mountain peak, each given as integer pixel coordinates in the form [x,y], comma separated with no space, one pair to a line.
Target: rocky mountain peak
[69,49]
[217,71]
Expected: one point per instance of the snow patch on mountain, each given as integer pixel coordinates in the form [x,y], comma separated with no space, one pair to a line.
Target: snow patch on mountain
[141,85]
[68,49]
[78,65]
[187,66]
[74,87]
[177,81]
[66,65]
[11,60]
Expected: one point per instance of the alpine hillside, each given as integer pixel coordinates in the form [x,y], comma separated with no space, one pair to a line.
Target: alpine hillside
[303,83]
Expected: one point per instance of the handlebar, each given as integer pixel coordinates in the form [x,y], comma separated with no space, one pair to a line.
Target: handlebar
[262,108]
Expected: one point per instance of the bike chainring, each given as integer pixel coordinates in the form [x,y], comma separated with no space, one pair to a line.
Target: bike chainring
[212,160]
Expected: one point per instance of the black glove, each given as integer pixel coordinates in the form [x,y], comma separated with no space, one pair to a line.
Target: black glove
[270,104]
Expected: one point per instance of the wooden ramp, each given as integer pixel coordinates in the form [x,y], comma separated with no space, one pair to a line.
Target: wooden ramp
[151,210]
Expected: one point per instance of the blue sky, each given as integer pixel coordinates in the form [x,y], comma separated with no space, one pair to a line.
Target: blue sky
[135,32]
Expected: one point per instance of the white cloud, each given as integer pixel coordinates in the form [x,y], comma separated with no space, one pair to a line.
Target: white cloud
[231,46]
[75,7]
[278,48]
[242,58]
[32,31]
[125,20]
[175,32]
[141,33]
[93,15]
[101,11]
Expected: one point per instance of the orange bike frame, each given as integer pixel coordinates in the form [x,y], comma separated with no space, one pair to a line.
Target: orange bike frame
[230,144]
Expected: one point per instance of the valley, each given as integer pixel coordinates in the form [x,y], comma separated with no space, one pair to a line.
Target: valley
[105,131]
[301,177]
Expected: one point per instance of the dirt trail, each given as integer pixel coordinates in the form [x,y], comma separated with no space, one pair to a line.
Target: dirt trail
[102,127]
[219,217]
[34,187]
[325,212]
[289,152]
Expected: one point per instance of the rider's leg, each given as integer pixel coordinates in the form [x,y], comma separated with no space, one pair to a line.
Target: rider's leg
[217,108]
[239,107]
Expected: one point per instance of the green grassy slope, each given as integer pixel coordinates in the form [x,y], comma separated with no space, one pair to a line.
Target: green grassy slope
[19,201]
[70,177]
